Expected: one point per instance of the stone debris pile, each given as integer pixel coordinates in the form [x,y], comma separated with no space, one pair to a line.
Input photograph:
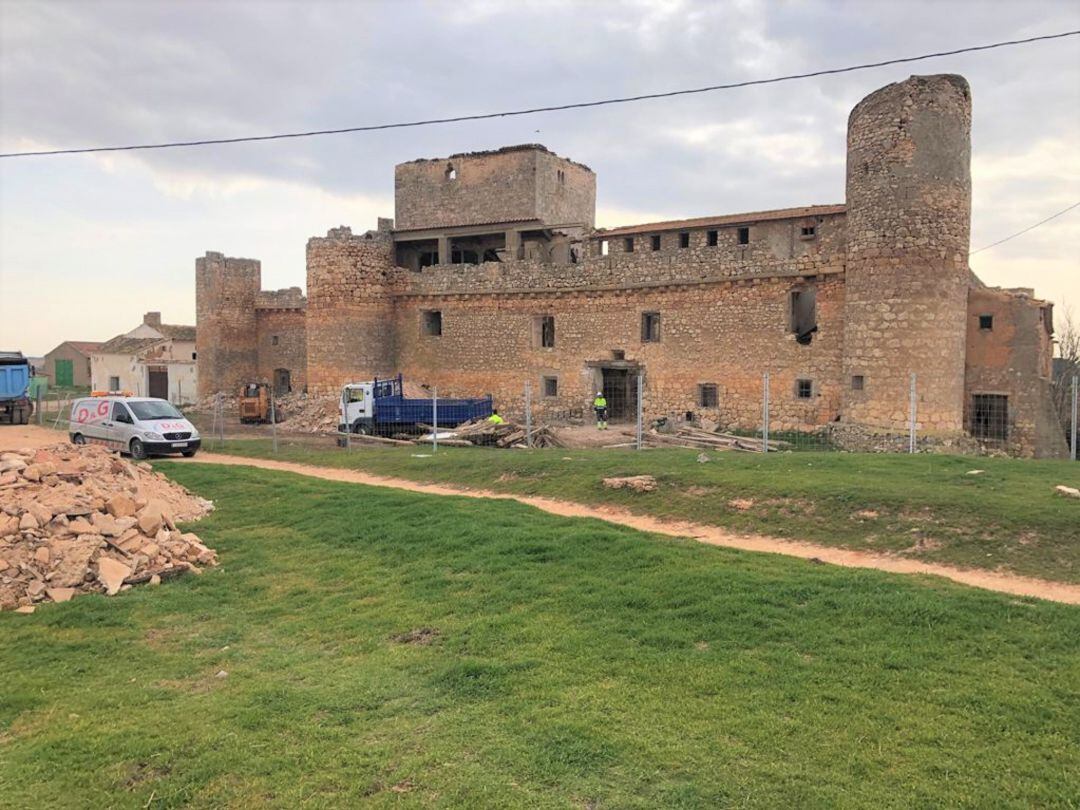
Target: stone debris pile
[79,519]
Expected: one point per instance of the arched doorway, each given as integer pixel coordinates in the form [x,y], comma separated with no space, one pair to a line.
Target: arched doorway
[282,381]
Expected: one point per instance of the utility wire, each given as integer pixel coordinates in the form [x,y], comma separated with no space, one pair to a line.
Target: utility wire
[1028,228]
[555,108]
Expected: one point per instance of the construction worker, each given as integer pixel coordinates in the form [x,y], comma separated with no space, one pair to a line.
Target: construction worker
[600,406]
[495,419]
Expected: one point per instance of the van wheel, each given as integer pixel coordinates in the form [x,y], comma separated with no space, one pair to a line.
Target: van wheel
[78,438]
[189,453]
[138,451]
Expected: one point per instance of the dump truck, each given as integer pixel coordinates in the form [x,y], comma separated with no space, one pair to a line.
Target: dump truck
[381,407]
[16,406]
[255,404]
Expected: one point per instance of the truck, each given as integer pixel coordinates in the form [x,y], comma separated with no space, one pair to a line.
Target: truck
[381,407]
[16,406]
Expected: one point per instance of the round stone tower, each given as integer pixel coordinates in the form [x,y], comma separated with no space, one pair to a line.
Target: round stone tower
[226,339]
[907,276]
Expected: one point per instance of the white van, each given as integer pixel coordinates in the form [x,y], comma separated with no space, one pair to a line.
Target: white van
[136,425]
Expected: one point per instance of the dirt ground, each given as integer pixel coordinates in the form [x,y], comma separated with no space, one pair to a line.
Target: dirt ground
[15,437]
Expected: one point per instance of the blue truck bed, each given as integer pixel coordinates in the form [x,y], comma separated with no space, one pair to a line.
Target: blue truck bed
[392,407]
[15,374]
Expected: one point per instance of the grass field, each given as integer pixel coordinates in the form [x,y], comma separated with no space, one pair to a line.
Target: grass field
[392,649]
[923,506]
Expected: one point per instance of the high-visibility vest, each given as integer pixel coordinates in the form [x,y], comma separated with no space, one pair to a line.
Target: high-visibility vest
[599,402]
[495,419]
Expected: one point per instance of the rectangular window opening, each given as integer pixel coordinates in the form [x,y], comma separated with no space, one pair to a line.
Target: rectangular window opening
[803,314]
[708,395]
[804,389]
[684,240]
[618,354]
[986,322]
[809,231]
[989,417]
[628,244]
[604,247]
[713,238]
[114,383]
[545,325]
[650,327]
[858,382]
[744,236]
[551,386]
[432,322]
[655,242]
[274,340]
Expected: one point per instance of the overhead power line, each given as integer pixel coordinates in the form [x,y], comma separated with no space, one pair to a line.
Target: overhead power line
[1028,228]
[553,108]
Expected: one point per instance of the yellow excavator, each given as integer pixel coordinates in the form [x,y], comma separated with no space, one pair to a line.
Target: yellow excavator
[255,404]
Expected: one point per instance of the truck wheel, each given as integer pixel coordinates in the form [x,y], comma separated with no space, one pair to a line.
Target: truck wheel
[78,438]
[24,416]
[138,451]
[360,430]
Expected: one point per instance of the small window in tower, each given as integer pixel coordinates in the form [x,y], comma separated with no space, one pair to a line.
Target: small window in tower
[650,327]
[809,231]
[708,395]
[193,356]
[989,417]
[656,242]
[804,315]
[628,244]
[986,322]
[545,331]
[713,238]
[274,340]
[684,240]
[451,172]
[744,236]
[562,177]
[551,386]
[858,382]
[604,247]
[431,322]
[804,389]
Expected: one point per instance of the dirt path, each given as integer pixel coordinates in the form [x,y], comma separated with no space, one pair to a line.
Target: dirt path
[16,437]
[990,580]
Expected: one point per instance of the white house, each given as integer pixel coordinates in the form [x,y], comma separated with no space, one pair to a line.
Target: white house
[154,359]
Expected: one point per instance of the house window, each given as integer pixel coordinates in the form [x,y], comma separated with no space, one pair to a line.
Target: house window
[545,329]
[274,340]
[713,238]
[986,322]
[744,236]
[551,386]
[989,416]
[628,244]
[708,395]
[650,327]
[803,314]
[431,322]
[656,242]
[603,247]
[114,383]
[684,240]
[858,382]
[809,231]
[804,389]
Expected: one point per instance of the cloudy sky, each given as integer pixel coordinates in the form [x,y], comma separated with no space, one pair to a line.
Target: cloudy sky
[88,243]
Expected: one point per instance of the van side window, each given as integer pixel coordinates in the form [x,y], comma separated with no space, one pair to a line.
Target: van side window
[120,413]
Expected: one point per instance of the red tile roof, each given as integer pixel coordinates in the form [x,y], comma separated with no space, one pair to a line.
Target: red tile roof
[84,346]
[726,219]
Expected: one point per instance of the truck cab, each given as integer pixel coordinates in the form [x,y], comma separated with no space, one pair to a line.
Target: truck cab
[356,410]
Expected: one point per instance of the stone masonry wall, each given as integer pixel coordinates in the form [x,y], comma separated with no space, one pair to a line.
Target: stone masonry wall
[908,220]
[490,187]
[226,333]
[282,344]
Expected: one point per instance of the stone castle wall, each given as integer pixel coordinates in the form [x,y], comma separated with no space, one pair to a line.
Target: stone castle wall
[226,332]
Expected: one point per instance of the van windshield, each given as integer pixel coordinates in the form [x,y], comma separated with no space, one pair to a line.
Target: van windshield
[159,409]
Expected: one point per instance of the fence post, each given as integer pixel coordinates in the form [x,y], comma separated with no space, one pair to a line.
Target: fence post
[528,414]
[913,408]
[640,409]
[40,415]
[273,420]
[765,413]
[435,419]
[1072,449]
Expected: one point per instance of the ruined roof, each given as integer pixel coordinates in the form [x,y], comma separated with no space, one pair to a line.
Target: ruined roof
[726,219]
[177,331]
[521,147]
[467,224]
[122,344]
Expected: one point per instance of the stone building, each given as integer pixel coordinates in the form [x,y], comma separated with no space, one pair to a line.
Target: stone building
[493,276]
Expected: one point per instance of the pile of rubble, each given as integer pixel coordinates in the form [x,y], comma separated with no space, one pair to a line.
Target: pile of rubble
[503,434]
[305,413]
[78,519]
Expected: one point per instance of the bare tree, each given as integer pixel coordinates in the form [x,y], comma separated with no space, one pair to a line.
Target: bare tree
[1067,364]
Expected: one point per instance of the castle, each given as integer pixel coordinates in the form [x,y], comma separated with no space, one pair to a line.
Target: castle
[492,275]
